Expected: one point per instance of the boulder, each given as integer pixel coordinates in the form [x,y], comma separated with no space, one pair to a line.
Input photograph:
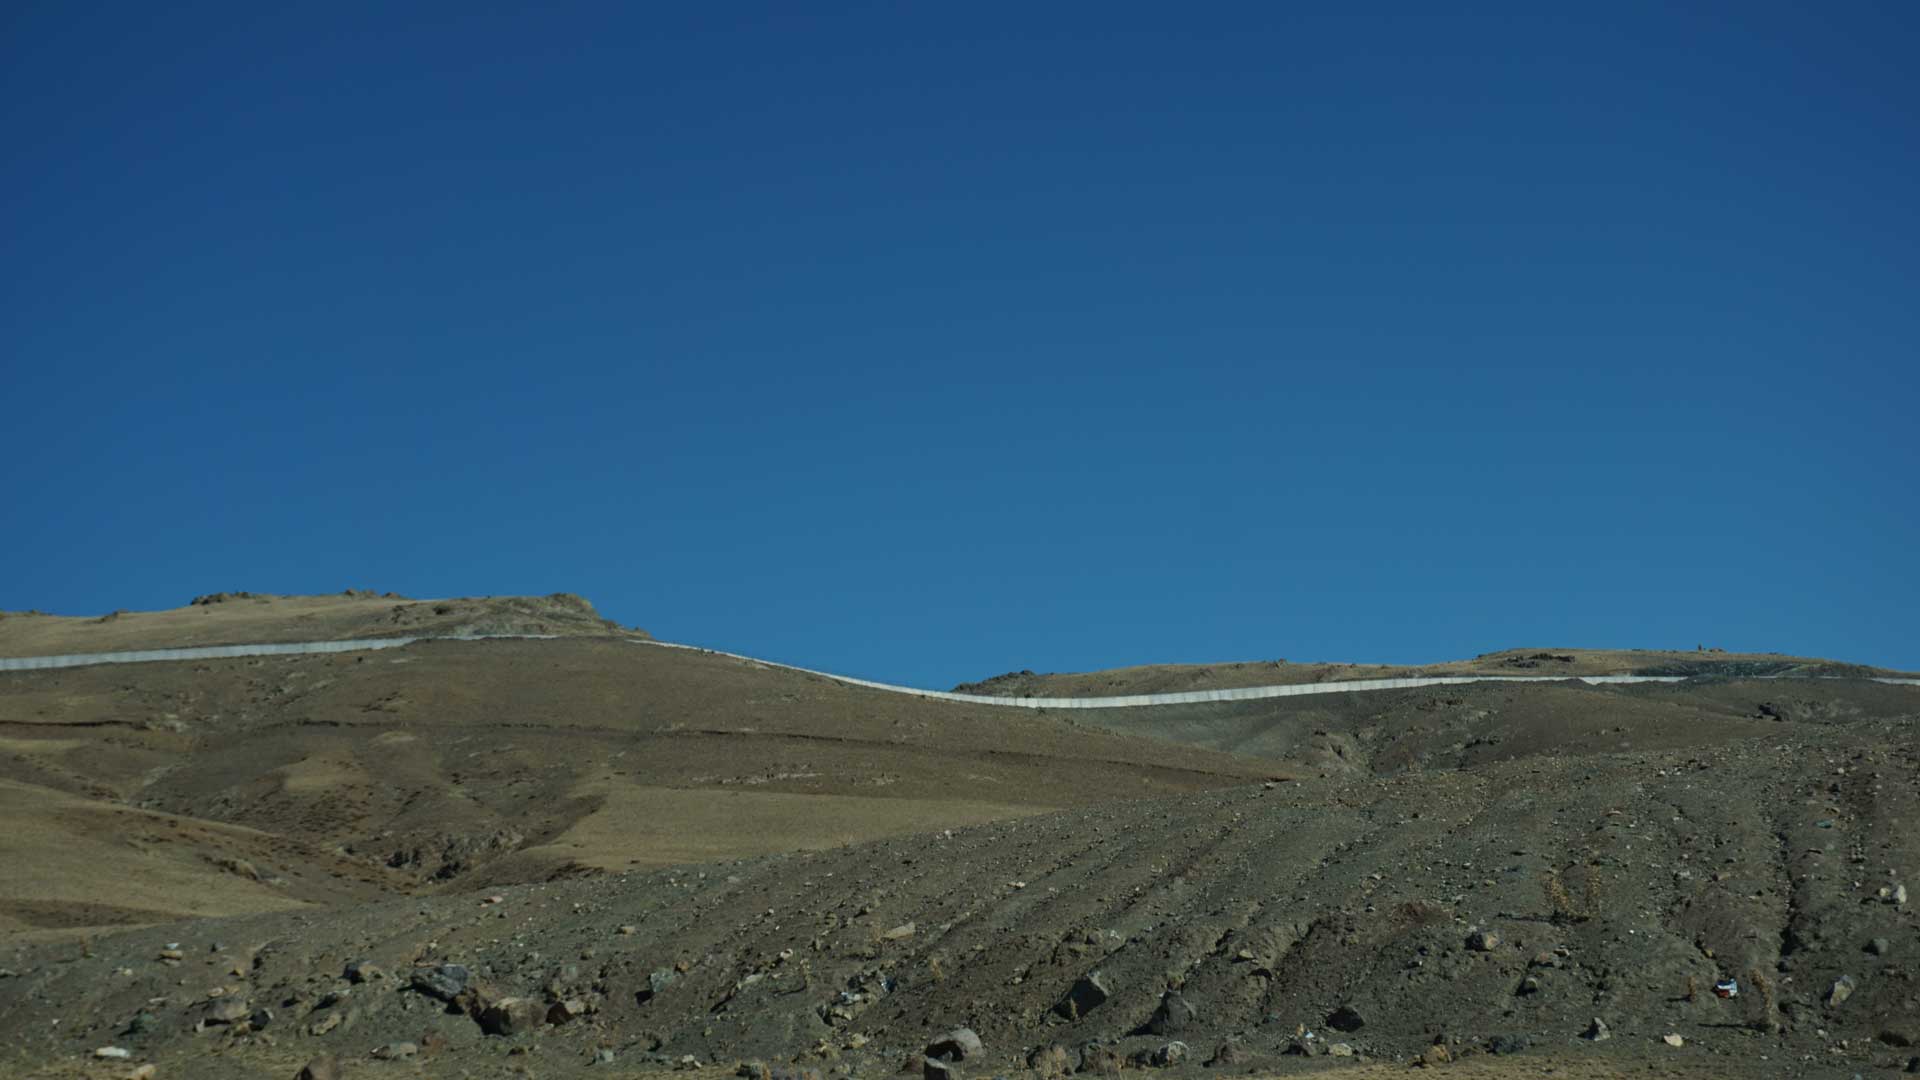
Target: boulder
[1346,1018]
[1174,1015]
[324,1067]
[443,981]
[930,1069]
[1088,993]
[1840,991]
[511,1016]
[959,1044]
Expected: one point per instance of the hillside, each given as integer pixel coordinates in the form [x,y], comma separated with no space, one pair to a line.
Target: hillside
[1175,678]
[227,867]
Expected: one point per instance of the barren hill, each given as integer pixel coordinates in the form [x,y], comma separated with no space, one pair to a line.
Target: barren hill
[234,618]
[524,857]
[1571,663]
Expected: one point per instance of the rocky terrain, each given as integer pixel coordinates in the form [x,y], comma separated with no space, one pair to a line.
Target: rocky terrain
[594,856]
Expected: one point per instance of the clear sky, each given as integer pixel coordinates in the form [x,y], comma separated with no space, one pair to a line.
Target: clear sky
[924,342]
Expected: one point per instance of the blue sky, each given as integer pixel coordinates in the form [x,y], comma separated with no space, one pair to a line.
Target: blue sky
[925,343]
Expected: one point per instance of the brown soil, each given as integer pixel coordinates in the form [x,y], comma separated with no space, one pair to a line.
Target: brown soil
[720,859]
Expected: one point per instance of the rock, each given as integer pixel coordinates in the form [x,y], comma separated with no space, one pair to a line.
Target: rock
[1340,1050]
[260,1018]
[113,1053]
[1098,1060]
[1088,994]
[443,981]
[1227,1055]
[227,1011]
[1050,1062]
[931,1069]
[1899,1034]
[956,1045]
[396,1051]
[562,1011]
[657,980]
[1303,1046]
[144,1072]
[1173,1016]
[1482,940]
[1508,1044]
[511,1016]
[1437,1054]
[603,1056]
[1597,1031]
[1169,1055]
[754,1070]
[1346,1018]
[325,1024]
[141,1023]
[1673,1040]
[360,971]
[1879,946]
[1899,894]
[898,933]
[1913,1064]
[324,1067]
[1840,991]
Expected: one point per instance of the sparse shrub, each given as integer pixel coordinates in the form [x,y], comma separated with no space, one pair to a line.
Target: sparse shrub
[1564,907]
[1769,1019]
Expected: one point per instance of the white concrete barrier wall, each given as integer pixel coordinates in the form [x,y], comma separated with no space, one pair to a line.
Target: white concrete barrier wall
[1126,701]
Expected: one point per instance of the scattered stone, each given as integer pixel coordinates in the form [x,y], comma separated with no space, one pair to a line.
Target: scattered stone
[360,971]
[1482,940]
[511,1016]
[144,1072]
[687,1061]
[562,1011]
[1340,1050]
[1088,994]
[259,1018]
[1673,1040]
[1899,894]
[898,933]
[1346,1018]
[627,930]
[956,1045]
[1099,1060]
[174,955]
[324,1067]
[1508,1044]
[1303,1046]
[1228,1055]
[603,1056]
[1173,1016]
[324,1024]
[1879,946]
[113,1053]
[227,1011]
[1169,1055]
[443,981]
[141,1023]
[1597,1031]
[931,1069]
[1437,1054]
[1840,991]
[396,1051]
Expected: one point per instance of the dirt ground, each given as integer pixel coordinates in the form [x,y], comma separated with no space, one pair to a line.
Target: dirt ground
[684,862]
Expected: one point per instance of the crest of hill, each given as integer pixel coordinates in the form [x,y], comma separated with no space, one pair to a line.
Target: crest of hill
[235,618]
[1571,663]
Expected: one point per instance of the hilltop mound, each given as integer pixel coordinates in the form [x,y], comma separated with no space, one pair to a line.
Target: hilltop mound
[235,618]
